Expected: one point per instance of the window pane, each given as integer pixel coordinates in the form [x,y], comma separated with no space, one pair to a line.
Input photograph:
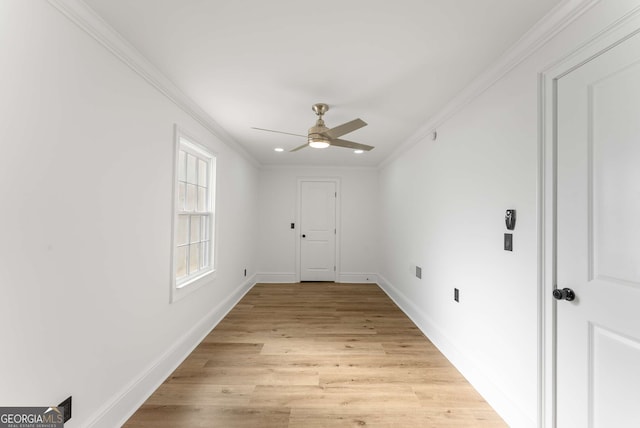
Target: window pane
[194,258]
[182,237]
[211,229]
[182,166]
[195,228]
[202,173]
[191,168]
[202,199]
[191,198]
[181,262]
[181,196]
[204,251]
[203,228]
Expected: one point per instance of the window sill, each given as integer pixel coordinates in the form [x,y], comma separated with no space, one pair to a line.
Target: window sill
[178,291]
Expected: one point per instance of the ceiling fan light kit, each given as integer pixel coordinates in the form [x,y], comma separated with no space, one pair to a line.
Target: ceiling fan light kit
[318,144]
[321,137]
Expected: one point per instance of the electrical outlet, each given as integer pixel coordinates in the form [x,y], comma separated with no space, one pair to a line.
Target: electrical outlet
[66,405]
[508,242]
[418,272]
[456,295]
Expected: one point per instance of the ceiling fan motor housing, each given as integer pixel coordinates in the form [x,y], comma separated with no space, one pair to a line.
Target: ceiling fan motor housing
[316,132]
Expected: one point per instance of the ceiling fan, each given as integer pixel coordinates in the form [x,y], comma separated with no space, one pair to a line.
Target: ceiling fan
[320,136]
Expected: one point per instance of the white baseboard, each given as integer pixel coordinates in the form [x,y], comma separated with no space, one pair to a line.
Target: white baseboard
[276,277]
[357,277]
[290,277]
[123,405]
[500,401]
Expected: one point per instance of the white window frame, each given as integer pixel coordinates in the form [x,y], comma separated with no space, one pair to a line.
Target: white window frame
[180,287]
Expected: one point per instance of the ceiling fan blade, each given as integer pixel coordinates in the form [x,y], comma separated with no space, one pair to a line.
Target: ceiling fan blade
[345,128]
[350,145]
[278,132]
[298,148]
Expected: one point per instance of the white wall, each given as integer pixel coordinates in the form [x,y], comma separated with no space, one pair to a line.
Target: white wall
[86,182]
[443,205]
[358,237]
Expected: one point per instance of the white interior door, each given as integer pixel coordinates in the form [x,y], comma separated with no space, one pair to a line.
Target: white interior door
[318,231]
[598,241]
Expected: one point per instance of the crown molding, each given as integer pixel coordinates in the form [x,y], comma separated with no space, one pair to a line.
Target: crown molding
[88,20]
[546,29]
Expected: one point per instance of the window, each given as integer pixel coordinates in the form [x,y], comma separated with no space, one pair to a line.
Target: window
[194,220]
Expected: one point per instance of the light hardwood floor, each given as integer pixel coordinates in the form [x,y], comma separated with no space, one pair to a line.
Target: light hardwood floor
[315,355]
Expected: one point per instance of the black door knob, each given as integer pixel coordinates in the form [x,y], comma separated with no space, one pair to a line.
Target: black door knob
[304,236]
[564,294]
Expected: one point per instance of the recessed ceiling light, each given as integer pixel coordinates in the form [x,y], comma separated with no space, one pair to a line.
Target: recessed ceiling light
[358,151]
[279,149]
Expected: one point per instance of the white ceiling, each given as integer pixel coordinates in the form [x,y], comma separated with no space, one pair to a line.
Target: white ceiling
[256,63]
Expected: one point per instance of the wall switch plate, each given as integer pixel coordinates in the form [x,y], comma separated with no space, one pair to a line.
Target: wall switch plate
[508,242]
[66,405]
[456,295]
[418,272]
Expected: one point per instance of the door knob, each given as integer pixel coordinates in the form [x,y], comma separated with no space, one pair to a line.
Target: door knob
[304,236]
[564,294]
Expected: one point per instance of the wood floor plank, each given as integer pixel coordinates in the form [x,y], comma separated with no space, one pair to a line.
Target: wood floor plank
[205,349]
[386,417]
[453,395]
[311,347]
[367,396]
[202,395]
[315,355]
[243,375]
[388,376]
[153,416]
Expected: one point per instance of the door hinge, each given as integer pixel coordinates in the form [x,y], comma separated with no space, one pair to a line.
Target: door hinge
[336,194]
[334,268]
[335,231]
